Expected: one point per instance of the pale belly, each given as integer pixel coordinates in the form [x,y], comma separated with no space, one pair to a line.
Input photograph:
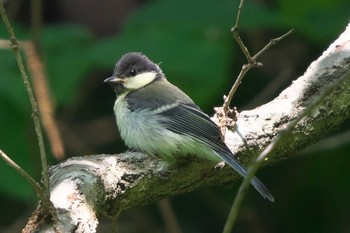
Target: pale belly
[142,131]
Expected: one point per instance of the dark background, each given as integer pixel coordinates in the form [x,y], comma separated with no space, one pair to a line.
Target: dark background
[79,42]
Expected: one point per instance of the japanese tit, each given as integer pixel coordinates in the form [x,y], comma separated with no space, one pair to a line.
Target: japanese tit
[156,117]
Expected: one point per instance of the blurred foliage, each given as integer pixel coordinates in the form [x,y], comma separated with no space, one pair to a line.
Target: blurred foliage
[192,42]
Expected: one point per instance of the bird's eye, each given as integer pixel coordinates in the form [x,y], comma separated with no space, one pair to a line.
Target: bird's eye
[133,72]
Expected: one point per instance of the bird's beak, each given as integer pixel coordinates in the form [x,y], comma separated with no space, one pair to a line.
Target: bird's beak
[113,79]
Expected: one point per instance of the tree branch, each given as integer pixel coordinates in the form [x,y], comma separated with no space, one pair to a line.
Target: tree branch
[83,188]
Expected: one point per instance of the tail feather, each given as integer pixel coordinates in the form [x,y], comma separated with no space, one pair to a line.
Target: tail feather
[257,184]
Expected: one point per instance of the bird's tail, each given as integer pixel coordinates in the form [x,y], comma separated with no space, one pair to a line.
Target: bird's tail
[258,185]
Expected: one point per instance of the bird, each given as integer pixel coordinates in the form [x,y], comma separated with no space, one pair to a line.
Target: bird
[156,117]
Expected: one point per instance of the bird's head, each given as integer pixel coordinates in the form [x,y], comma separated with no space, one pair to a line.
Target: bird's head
[134,71]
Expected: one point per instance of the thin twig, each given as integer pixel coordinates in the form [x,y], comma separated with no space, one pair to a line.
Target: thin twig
[235,33]
[252,62]
[237,37]
[272,43]
[39,192]
[35,113]
[271,147]
[239,13]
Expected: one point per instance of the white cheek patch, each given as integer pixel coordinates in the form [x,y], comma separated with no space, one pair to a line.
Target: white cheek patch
[139,80]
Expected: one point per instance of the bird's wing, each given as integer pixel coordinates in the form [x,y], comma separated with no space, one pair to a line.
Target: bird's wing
[188,119]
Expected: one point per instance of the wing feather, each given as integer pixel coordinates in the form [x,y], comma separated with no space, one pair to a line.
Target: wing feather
[188,119]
